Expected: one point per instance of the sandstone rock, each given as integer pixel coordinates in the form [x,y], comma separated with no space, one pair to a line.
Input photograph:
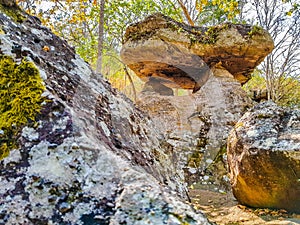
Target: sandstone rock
[264,158]
[91,157]
[197,126]
[182,55]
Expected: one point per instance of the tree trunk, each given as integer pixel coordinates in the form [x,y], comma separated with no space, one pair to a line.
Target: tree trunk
[100,37]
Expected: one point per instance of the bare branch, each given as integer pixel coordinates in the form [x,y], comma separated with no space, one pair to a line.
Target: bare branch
[186,13]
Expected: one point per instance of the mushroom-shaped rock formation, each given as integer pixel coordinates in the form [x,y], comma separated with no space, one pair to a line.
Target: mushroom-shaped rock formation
[181,55]
[264,158]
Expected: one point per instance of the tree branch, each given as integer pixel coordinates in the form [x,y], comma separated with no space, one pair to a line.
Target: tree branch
[186,13]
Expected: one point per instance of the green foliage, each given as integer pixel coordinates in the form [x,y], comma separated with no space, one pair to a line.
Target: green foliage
[121,13]
[113,69]
[256,30]
[87,49]
[290,93]
[217,11]
[77,22]
[288,89]
[20,99]
[256,82]
[280,69]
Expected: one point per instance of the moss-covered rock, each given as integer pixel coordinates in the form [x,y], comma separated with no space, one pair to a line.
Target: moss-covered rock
[92,153]
[20,99]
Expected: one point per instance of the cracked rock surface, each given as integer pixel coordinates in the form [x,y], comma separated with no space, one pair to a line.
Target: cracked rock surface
[91,157]
[264,158]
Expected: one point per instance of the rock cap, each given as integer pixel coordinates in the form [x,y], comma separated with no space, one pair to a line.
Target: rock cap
[182,55]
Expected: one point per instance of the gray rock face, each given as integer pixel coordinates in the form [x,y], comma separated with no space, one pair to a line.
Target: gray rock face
[91,157]
[264,158]
[197,126]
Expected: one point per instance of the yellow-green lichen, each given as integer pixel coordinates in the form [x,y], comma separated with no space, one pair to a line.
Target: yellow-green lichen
[238,125]
[1,31]
[15,13]
[256,30]
[210,36]
[194,159]
[183,219]
[21,88]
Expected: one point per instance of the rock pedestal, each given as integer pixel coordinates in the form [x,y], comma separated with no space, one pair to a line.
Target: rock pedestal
[197,126]
[264,158]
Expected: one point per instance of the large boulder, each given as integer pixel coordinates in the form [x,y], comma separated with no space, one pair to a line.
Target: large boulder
[182,56]
[264,158]
[89,156]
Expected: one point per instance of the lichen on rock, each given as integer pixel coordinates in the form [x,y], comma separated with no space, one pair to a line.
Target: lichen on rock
[21,89]
[90,152]
[264,158]
[197,126]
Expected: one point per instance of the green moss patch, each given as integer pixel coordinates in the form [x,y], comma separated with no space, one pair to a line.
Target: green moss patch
[21,88]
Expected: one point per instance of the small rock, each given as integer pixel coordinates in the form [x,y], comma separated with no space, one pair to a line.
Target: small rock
[64,207]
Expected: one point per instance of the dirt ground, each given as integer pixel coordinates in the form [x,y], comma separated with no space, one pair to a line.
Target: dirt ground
[223,209]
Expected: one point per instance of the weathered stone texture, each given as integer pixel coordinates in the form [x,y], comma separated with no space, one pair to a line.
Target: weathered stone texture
[91,157]
[264,158]
[197,126]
